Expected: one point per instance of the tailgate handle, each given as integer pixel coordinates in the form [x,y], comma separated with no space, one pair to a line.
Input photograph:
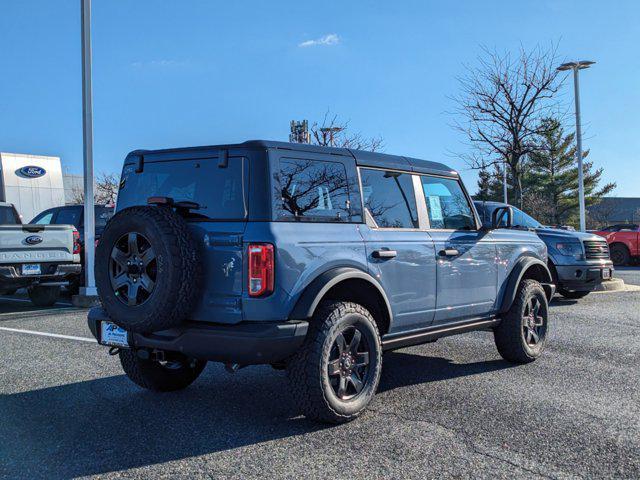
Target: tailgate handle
[384,253]
[32,227]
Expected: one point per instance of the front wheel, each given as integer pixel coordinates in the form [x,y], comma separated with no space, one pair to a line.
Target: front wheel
[522,333]
[44,296]
[336,372]
[158,376]
[572,294]
[620,255]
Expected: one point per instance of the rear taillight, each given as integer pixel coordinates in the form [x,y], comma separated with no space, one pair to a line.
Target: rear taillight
[261,269]
[76,242]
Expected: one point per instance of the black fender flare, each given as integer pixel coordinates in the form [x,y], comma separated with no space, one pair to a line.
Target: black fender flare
[515,277]
[315,291]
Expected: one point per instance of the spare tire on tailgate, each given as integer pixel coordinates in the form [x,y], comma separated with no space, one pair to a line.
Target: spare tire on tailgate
[147,269]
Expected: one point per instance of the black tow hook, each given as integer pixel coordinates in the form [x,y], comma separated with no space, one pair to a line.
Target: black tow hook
[114,350]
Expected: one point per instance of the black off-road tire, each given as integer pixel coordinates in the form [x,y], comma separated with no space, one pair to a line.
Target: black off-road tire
[620,255]
[43,296]
[509,336]
[307,369]
[178,271]
[573,295]
[152,375]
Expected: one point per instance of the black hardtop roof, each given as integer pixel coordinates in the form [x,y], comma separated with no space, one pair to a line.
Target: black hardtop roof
[363,158]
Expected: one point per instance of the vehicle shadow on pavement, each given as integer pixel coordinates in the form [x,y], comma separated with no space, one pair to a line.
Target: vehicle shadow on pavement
[109,424]
[402,369]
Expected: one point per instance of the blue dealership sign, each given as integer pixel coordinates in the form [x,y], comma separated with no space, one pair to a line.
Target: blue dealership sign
[32,171]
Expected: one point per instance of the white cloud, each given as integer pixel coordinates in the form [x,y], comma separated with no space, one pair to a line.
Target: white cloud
[328,39]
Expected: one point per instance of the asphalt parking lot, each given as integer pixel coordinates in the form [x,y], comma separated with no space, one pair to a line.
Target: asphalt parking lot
[452,408]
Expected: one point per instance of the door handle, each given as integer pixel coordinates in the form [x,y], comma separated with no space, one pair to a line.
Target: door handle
[384,253]
[448,252]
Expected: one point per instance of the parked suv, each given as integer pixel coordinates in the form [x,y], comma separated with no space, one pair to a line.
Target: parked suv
[578,262]
[307,258]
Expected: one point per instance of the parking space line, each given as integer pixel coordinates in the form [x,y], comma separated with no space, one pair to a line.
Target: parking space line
[24,300]
[47,334]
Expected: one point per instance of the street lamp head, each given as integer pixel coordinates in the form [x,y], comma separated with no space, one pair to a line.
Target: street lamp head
[581,65]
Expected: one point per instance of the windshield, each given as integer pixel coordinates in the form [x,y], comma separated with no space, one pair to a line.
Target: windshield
[8,216]
[218,192]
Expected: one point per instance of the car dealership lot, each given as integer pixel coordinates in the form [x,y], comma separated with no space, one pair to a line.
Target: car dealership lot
[449,408]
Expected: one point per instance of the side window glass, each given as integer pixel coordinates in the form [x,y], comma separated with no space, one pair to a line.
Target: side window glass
[389,198]
[313,190]
[447,204]
[69,216]
[44,219]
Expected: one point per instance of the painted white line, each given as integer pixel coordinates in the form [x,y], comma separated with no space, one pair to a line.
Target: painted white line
[47,334]
[24,300]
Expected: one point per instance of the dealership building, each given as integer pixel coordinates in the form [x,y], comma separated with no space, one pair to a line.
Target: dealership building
[34,183]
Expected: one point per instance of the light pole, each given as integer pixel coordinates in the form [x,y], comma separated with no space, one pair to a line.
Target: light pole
[576,66]
[87,130]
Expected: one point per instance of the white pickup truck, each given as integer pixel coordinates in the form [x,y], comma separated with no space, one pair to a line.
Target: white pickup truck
[41,258]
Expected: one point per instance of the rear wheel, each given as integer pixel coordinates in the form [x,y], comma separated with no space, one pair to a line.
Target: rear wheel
[620,255]
[336,372]
[522,333]
[43,296]
[167,376]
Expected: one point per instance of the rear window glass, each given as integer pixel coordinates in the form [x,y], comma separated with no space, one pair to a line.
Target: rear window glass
[314,190]
[219,192]
[389,198]
[8,216]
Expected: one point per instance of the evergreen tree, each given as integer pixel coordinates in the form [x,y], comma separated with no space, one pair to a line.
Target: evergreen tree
[551,180]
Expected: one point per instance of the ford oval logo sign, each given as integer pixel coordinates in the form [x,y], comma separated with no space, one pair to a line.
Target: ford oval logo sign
[32,171]
[33,239]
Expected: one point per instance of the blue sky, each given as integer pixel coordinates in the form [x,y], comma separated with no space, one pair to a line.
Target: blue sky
[170,73]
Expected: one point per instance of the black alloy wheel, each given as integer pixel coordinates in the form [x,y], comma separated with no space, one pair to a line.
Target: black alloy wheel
[133,269]
[533,324]
[348,366]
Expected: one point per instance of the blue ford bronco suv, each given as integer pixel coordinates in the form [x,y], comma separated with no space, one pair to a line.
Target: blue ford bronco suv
[311,259]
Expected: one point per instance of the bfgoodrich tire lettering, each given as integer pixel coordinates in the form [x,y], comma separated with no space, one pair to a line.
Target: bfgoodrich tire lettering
[522,333]
[174,271]
[336,372]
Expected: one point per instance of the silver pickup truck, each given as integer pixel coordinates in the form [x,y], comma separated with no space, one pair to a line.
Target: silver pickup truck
[41,258]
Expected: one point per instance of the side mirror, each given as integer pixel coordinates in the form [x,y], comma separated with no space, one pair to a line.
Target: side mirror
[498,214]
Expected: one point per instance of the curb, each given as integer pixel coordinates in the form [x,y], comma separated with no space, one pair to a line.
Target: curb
[616,285]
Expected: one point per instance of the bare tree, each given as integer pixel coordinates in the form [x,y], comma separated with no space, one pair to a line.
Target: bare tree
[105,190]
[501,105]
[334,133]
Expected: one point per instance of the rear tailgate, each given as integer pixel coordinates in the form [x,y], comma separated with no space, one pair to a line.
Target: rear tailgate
[36,243]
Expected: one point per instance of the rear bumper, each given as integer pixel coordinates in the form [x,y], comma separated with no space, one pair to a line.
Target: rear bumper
[582,277]
[245,343]
[10,275]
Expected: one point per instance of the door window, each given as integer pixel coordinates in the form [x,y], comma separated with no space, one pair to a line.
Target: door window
[447,204]
[389,198]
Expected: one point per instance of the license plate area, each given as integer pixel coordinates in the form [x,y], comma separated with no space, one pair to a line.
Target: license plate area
[113,335]
[31,269]
[606,274]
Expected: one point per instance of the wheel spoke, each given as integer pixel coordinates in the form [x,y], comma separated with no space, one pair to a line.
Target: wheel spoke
[342,387]
[362,359]
[535,336]
[355,380]
[334,367]
[528,337]
[341,343]
[119,257]
[355,342]
[120,281]
[147,256]
[146,282]
[132,242]
[539,320]
[132,294]
[536,307]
